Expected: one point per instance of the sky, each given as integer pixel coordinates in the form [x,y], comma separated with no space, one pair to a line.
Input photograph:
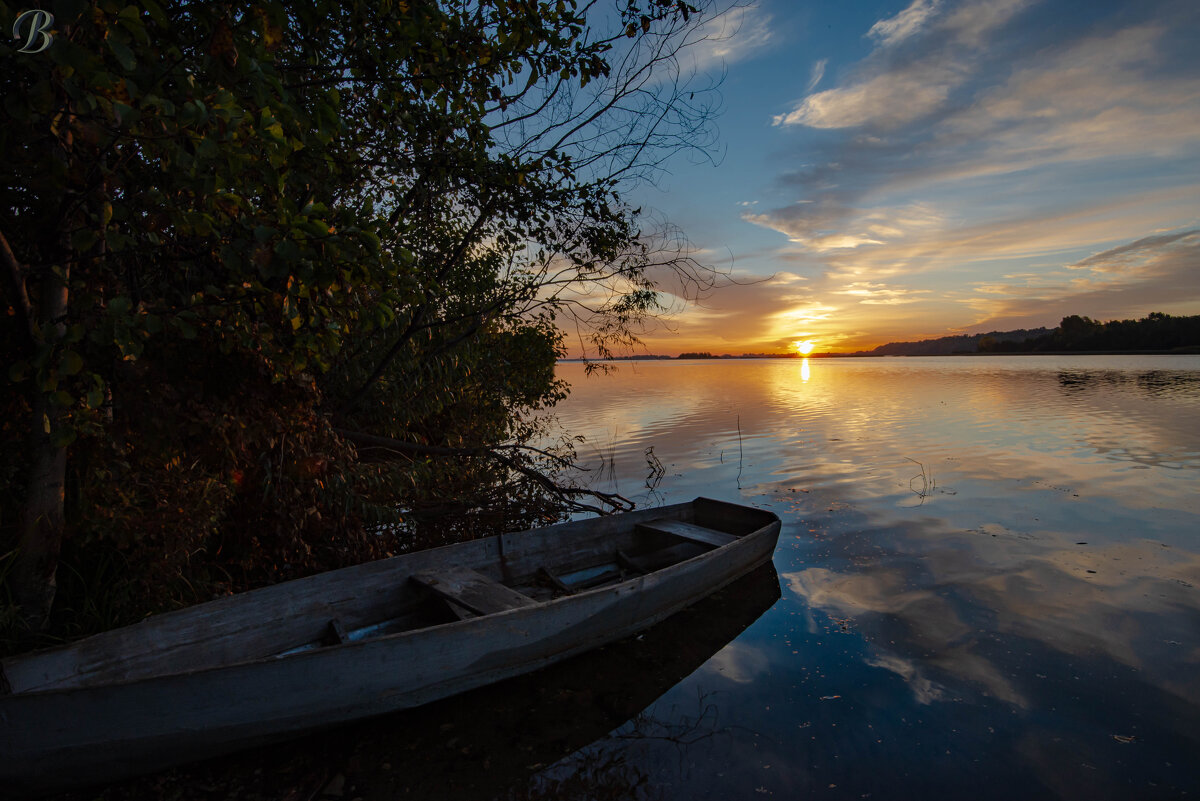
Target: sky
[896,171]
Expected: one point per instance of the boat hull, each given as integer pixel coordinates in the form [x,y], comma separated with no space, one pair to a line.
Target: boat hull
[56,739]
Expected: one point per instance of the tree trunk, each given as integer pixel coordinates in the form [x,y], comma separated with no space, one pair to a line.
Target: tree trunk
[44,519]
[34,573]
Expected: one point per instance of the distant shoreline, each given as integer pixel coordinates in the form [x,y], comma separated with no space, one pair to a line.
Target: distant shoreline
[1186,351]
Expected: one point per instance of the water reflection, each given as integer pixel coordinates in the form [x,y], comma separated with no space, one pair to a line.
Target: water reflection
[856,424]
[949,608]
[1026,626]
[1180,384]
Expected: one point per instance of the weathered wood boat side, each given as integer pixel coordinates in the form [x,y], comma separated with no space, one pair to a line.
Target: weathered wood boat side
[360,641]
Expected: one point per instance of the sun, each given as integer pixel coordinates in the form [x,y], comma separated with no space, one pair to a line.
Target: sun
[804,347]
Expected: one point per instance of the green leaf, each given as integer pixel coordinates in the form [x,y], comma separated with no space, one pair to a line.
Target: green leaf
[18,371]
[95,398]
[131,19]
[122,52]
[287,250]
[116,241]
[83,240]
[70,363]
[207,148]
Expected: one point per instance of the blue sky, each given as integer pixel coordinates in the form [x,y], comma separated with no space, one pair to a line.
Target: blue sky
[904,170]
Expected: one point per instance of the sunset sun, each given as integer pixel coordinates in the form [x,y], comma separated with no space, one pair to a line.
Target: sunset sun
[804,347]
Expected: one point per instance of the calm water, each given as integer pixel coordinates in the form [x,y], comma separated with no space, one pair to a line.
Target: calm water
[987,585]
[990,573]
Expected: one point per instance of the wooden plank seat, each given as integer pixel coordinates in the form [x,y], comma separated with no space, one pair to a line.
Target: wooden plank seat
[689,531]
[471,590]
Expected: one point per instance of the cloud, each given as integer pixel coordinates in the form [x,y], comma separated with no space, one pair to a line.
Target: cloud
[780,328]
[887,92]
[905,24]
[932,620]
[887,100]
[1157,273]
[873,294]
[829,226]
[739,662]
[1002,161]
[1100,99]
[818,72]
[1106,96]
[733,36]
[971,22]
[924,690]
[1139,254]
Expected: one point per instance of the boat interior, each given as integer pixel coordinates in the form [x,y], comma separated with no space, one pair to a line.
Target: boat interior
[453,592]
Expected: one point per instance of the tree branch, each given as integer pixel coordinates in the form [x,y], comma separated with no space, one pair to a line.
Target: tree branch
[386,447]
[15,272]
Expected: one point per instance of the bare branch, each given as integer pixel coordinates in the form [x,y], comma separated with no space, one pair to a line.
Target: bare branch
[387,447]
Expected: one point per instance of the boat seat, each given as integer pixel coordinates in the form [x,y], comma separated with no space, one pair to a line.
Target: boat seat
[472,591]
[689,531]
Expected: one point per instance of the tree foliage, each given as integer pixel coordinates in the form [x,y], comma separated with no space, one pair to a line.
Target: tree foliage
[1154,332]
[240,238]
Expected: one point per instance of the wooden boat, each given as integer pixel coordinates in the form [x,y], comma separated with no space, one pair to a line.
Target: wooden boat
[492,741]
[358,642]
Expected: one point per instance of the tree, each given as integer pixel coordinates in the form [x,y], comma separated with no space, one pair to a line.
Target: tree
[240,238]
[1076,331]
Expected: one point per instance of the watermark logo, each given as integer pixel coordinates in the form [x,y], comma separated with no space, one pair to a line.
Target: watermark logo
[36,25]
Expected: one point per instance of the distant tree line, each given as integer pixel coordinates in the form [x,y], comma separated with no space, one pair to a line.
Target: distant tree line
[1155,332]
[946,346]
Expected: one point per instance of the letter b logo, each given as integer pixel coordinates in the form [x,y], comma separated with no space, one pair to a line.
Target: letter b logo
[36,24]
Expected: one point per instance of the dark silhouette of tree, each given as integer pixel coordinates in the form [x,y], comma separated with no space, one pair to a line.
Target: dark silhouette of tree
[248,245]
[1155,332]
